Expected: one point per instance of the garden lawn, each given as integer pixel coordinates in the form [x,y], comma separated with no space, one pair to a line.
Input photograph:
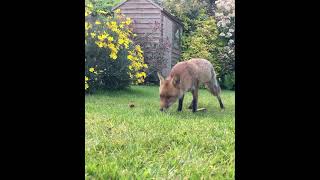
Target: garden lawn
[140,142]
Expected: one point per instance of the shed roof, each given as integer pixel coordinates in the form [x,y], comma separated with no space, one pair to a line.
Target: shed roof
[155,4]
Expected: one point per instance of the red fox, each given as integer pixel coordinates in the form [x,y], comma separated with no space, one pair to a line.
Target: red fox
[186,76]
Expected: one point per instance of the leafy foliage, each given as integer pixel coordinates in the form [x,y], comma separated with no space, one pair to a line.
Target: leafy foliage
[209,28]
[115,60]
[201,42]
[229,81]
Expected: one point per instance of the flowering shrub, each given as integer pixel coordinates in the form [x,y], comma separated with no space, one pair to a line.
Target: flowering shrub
[113,60]
[225,16]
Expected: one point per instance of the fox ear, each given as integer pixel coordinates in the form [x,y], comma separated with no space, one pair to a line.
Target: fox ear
[160,77]
[176,81]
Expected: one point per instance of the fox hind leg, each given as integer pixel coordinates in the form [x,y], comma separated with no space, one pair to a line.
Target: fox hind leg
[215,90]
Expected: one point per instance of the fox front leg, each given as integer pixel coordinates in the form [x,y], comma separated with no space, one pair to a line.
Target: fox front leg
[180,103]
[195,96]
[195,100]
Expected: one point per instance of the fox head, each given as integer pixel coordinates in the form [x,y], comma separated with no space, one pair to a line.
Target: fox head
[169,91]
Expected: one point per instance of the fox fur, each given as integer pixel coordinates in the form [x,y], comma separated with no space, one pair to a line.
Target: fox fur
[186,76]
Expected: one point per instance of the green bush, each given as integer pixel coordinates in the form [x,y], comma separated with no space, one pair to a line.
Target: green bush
[112,74]
[228,81]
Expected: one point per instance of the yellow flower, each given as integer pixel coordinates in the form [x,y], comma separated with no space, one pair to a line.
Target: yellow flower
[110,38]
[91,69]
[130,57]
[113,26]
[117,11]
[143,74]
[105,45]
[98,22]
[138,48]
[113,23]
[86,78]
[93,35]
[128,21]
[113,55]
[121,26]
[100,44]
[87,25]
[111,46]
[126,44]
[120,41]
[86,86]
[102,37]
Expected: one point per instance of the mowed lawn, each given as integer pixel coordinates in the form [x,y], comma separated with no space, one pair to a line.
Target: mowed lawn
[143,143]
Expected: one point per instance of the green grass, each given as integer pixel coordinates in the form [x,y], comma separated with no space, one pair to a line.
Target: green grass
[144,143]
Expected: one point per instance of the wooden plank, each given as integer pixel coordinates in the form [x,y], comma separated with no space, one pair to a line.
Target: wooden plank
[145,6]
[141,11]
[146,21]
[153,35]
[145,25]
[143,15]
[161,25]
[172,18]
[150,44]
[137,5]
[140,1]
[137,1]
[145,30]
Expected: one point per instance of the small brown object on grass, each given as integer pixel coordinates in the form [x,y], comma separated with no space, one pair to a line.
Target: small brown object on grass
[131,105]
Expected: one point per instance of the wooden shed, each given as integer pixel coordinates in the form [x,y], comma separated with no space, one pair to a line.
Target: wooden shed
[145,15]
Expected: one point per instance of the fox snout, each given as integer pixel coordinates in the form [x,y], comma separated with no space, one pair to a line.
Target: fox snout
[165,105]
[164,108]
